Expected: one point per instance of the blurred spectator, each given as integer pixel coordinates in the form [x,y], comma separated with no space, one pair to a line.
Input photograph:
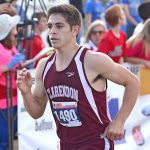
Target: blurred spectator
[113,42]
[138,47]
[131,11]
[110,3]
[35,45]
[144,13]
[20,11]
[94,34]
[79,5]
[6,8]
[93,9]
[2,1]
[9,59]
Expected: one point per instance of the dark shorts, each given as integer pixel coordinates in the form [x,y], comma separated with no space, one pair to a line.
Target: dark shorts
[95,144]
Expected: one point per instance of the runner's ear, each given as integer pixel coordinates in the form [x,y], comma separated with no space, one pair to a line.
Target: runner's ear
[76,29]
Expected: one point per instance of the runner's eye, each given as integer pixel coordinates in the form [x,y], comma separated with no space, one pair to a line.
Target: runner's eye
[49,26]
[59,26]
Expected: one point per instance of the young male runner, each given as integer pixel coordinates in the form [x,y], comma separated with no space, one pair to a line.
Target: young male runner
[74,80]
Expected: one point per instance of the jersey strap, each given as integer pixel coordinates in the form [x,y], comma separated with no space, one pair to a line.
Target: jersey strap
[86,87]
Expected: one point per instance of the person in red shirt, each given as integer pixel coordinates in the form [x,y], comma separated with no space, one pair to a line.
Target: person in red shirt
[113,42]
[37,44]
[138,47]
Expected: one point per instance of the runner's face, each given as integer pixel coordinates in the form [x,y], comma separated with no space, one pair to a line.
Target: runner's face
[60,32]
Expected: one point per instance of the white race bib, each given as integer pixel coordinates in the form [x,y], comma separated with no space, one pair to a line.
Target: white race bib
[66,113]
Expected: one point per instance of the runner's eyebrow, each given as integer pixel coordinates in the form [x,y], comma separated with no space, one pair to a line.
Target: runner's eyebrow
[58,23]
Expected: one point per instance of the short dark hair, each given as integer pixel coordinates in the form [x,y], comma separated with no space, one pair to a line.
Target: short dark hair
[69,12]
[113,14]
[144,10]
